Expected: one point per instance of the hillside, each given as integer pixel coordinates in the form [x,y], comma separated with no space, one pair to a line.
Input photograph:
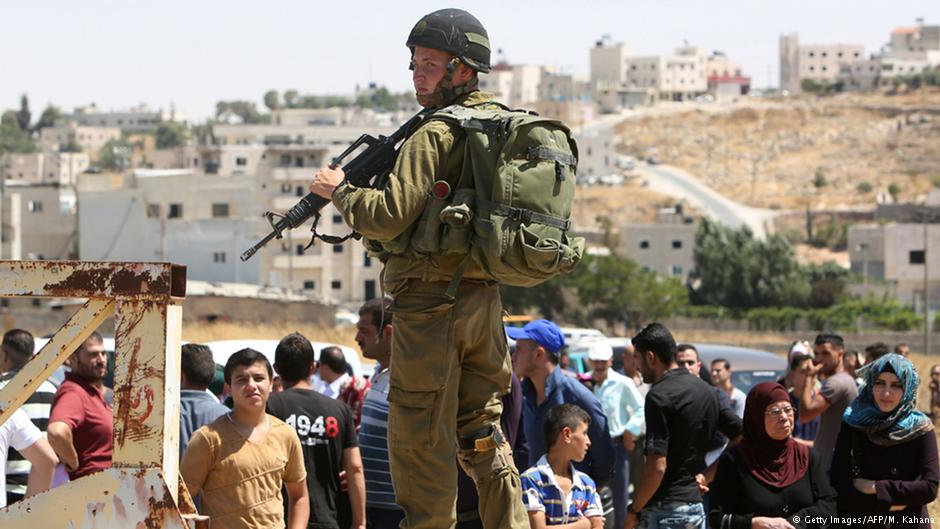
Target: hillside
[791,153]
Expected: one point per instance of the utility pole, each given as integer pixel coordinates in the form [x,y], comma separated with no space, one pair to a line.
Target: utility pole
[926,289]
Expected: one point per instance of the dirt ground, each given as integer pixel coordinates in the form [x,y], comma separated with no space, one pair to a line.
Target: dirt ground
[830,152]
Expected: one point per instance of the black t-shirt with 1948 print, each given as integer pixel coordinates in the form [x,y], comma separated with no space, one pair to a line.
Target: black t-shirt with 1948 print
[325,427]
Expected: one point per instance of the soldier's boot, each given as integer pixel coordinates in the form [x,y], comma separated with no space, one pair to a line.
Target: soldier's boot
[486,457]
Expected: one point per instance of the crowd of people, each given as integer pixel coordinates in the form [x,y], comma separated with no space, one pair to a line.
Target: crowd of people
[660,444]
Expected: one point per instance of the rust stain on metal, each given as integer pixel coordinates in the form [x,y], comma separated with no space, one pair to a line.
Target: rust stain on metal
[127,279]
[158,509]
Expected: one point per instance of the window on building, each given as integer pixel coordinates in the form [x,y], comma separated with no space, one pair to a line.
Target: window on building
[856,55]
[336,285]
[309,285]
[812,68]
[644,245]
[812,54]
[220,210]
[299,161]
[153,211]
[366,260]
[218,257]
[299,249]
[839,55]
[175,211]
[241,161]
[34,206]
[676,270]
[916,257]
[676,244]
[823,55]
[299,191]
[337,248]
[824,68]
[286,188]
[337,219]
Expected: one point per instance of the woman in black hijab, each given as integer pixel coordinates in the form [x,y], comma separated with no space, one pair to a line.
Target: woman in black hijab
[769,481]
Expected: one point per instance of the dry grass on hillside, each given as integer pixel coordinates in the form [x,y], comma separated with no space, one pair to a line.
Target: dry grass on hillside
[769,155]
[629,203]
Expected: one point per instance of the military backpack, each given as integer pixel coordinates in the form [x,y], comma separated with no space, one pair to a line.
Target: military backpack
[510,209]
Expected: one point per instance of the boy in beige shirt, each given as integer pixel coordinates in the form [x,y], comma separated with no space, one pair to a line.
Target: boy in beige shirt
[239,461]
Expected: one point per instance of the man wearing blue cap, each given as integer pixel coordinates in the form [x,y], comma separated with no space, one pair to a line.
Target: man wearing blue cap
[544,387]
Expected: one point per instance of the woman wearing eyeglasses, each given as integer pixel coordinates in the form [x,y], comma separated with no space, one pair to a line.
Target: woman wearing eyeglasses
[770,481]
[885,461]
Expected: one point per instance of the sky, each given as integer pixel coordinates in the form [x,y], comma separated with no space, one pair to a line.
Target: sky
[194,53]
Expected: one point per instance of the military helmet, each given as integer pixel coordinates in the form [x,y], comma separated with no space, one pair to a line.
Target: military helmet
[454,31]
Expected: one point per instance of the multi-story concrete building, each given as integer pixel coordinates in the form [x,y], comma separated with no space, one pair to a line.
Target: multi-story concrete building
[891,258]
[69,134]
[609,64]
[47,167]
[815,62]
[136,119]
[207,213]
[725,78]
[37,221]
[514,85]
[677,77]
[665,247]
[910,51]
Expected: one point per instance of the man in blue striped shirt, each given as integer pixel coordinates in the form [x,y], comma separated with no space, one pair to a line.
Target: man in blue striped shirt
[374,336]
[553,491]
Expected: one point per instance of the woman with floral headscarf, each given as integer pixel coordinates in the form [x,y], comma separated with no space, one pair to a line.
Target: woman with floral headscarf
[770,481]
[885,461]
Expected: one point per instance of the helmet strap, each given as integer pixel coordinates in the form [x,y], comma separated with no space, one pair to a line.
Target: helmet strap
[445,92]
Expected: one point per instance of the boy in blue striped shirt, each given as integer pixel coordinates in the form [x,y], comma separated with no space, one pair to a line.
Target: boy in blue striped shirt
[554,493]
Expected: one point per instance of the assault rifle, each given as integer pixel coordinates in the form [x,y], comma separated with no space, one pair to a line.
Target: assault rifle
[371,165]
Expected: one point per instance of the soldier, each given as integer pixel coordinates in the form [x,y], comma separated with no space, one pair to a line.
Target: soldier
[450,361]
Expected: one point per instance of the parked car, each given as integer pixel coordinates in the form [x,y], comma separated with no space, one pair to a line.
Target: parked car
[652,160]
[575,335]
[749,367]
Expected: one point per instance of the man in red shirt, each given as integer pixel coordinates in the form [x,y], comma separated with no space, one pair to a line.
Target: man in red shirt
[80,423]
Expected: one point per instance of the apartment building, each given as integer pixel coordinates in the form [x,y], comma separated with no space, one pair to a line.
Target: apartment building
[90,139]
[515,85]
[725,78]
[677,77]
[891,258]
[609,64]
[665,247]
[37,221]
[910,51]
[136,119]
[46,167]
[816,62]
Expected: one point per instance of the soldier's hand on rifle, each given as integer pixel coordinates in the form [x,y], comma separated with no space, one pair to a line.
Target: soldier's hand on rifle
[325,181]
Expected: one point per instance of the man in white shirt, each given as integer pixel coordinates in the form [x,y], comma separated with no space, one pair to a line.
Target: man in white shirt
[623,405]
[19,433]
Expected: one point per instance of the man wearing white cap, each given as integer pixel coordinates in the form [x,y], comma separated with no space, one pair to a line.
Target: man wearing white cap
[799,358]
[623,406]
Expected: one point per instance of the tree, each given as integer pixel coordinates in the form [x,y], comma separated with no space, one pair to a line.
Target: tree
[828,283]
[547,298]
[290,98]
[617,290]
[24,117]
[12,138]
[819,179]
[735,270]
[170,135]
[49,116]
[246,111]
[115,155]
[272,100]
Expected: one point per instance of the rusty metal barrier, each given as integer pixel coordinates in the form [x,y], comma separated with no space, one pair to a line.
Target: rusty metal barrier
[142,489]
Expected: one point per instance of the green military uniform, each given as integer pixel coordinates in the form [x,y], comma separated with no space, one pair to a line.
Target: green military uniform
[450,363]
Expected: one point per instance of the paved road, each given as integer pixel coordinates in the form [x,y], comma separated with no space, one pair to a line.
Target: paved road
[680,184]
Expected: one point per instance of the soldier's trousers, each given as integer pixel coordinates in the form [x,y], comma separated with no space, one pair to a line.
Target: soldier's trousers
[449,367]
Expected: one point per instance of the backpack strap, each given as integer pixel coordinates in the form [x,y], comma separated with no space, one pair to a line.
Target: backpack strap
[524,215]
